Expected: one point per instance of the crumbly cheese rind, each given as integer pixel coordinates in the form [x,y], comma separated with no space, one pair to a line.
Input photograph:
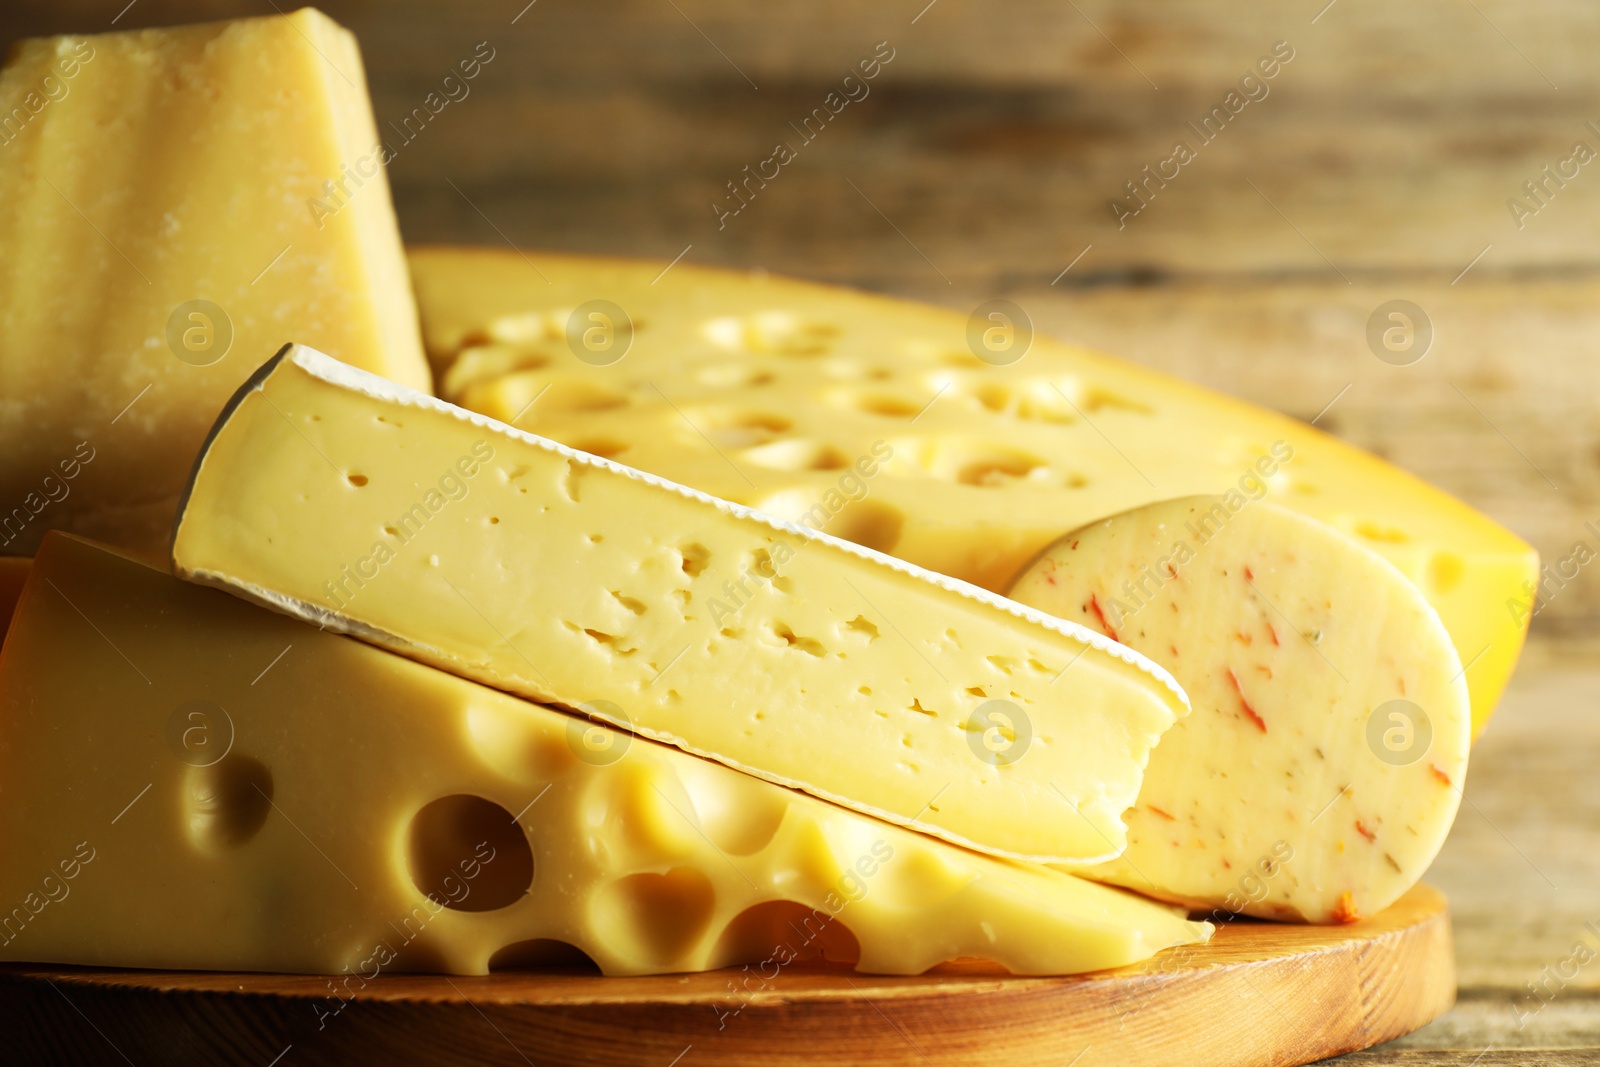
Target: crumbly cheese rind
[765,390]
[176,205]
[1323,763]
[207,785]
[337,496]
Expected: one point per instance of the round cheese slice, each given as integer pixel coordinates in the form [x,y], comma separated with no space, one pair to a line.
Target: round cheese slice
[1323,763]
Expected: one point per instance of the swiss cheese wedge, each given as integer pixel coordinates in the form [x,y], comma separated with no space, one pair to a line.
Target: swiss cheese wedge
[1324,761]
[766,390]
[348,500]
[189,781]
[162,235]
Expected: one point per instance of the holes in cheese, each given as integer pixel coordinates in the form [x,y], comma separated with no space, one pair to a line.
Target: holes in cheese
[227,802]
[543,954]
[775,332]
[1323,763]
[740,644]
[1105,435]
[388,843]
[198,194]
[446,831]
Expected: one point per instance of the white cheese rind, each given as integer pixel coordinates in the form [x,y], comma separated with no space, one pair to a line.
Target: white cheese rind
[810,680]
[762,389]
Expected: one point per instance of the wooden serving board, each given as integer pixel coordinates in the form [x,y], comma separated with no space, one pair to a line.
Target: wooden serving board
[1257,994]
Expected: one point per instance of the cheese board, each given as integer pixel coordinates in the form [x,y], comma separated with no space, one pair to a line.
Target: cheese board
[1258,993]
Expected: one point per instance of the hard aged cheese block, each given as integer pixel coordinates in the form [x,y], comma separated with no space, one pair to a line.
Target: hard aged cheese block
[13,572]
[363,506]
[1321,768]
[189,781]
[765,391]
[142,172]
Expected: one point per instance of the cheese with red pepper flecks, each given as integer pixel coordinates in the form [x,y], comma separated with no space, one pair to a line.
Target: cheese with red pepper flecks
[1322,765]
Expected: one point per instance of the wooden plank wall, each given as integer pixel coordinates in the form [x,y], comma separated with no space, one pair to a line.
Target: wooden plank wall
[984,156]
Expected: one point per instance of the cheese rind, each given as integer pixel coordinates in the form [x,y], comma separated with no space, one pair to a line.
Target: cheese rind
[300,818]
[763,389]
[1324,761]
[339,497]
[174,206]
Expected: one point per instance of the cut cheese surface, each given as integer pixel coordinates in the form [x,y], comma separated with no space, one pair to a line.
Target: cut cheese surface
[345,499]
[189,781]
[765,390]
[162,235]
[1324,761]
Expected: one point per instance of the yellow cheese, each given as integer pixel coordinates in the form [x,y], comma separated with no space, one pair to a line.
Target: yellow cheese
[189,781]
[1323,763]
[340,497]
[763,390]
[13,572]
[160,237]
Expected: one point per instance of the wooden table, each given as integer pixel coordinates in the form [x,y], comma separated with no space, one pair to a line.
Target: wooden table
[982,164]
[1521,868]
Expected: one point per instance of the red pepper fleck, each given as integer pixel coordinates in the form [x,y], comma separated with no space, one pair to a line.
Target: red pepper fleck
[1164,814]
[1273,630]
[1226,865]
[1439,774]
[1244,638]
[1074,546]
[1364,832]
[1248,710]
[1249,575]
[1094,606]
[1174,649]
[1345,911]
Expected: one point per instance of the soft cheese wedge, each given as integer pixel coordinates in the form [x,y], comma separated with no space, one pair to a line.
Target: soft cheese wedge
[1323,763]
[767,390]
[189,781]
[174,205]
[366,507]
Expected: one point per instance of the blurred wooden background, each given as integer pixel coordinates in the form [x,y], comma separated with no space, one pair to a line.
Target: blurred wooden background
[981,164]
[983,160]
